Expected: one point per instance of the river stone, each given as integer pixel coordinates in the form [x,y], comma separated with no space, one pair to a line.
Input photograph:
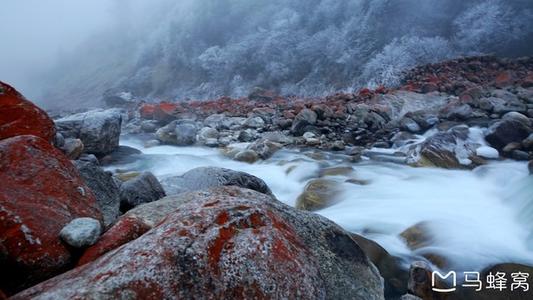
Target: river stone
[141,189]
[104,188]
[185,134]
[167,133]
[265,148]
[99,130]
[318,194]
[438,151]
[208,177]
[227,243]
[417,236]
[514,127]
[248,156]
[390,267]
[254,122]
[206,134]
[487,152]
[81,232]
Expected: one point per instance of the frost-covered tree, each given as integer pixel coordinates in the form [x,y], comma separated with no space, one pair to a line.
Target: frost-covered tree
[208,48]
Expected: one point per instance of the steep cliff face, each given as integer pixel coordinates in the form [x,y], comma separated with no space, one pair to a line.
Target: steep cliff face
[204,49]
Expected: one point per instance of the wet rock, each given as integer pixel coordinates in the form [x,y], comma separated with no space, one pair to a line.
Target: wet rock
[209,177]
[420,280]
[410,125]
[104,188]
[265,148]
[438,151]
[73,148]
[391,268]
[247,135]
[40,193]
[149,126]
[311,139]
[141,189]
[167,133]
[514,127]
[277,137]
[243,245]
[336,171]
[305,118]
[417,236]
[19,116]
[99,130]
[318,194]
[81,232]
[121,155]
[527,143]
[248,156]
[520,155]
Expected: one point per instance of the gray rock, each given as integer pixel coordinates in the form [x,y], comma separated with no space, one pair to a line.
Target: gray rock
[167,133]
[185,134]
[81,232]
[265,148]
[458,112]
[514,127]
[214,121]
[121,155]
[410,125]
[439,151]
[98,130]
[73,148]
[149,126]
[305,118]
[254,122]
[104,188]
[247,135]
[207,134]
[208,177]
[142,189]
[277,137]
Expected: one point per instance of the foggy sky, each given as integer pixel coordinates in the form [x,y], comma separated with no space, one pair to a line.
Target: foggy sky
[34,34]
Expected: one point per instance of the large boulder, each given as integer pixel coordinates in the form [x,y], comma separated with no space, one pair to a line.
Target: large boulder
[104,188]
[208,177]
[19,116]
[513,128]
[176,133]
[142,189]
[99,130]
[40,193]
[227,243]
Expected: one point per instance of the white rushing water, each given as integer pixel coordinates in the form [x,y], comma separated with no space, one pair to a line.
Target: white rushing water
[476,218]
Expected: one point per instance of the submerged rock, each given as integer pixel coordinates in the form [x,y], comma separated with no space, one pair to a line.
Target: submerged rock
[318,194]
[228,243]
[40,192]
[99,130]
[81,232]
[248,156]
[19,116]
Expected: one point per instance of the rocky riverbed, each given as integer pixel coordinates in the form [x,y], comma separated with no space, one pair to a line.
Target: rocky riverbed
[242,197]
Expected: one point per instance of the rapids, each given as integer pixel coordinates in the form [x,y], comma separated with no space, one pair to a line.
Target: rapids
[477,218]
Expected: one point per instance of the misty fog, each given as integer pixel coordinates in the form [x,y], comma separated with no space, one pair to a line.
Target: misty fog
[72,52]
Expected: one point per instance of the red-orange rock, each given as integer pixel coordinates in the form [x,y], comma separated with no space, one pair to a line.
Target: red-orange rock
[164,111]
[125,230]
[40,192]
[147,111]
[19,116]
[503,79]
[226,243]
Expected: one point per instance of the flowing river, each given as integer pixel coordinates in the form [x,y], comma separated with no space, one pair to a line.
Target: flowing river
[475,218]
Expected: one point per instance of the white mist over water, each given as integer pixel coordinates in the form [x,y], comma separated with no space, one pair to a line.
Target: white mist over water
[477,218]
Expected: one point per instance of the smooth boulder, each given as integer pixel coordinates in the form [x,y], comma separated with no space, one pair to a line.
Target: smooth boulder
[99,130]
[81,232]
[227,243]
[513,128]
[318,194]
[41,192]
[208,177]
